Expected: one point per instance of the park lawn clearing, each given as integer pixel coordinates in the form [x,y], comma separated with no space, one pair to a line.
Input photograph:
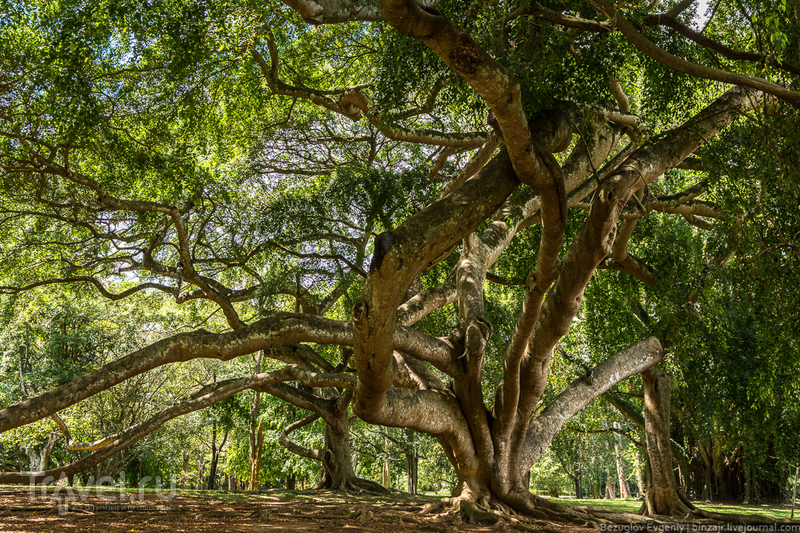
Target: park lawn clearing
[271,511]
[632,505]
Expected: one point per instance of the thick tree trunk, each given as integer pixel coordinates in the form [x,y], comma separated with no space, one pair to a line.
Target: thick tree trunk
[480,484]
[337,461]
[337,457]
[661,497]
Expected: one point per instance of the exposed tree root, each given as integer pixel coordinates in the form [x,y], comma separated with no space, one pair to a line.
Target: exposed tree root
[473,513]
[502,515]
[677,507]
[525,512]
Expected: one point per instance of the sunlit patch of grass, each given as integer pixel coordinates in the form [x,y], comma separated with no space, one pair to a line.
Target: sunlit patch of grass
[625,505]
[766,510]
[632,505]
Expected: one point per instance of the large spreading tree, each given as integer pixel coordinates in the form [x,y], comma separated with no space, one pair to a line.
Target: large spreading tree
[330,176]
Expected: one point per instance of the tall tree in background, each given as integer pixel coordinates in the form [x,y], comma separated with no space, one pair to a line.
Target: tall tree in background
[228,152]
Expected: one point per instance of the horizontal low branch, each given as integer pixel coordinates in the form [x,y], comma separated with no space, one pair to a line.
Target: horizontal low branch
[208,395]
[271,332]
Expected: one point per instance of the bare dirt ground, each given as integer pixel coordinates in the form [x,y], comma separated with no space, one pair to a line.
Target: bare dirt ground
[199,512]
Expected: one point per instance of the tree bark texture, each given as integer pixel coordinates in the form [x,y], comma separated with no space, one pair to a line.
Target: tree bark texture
[661,497]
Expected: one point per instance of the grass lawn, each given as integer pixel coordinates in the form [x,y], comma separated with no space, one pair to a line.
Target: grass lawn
[631,505]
